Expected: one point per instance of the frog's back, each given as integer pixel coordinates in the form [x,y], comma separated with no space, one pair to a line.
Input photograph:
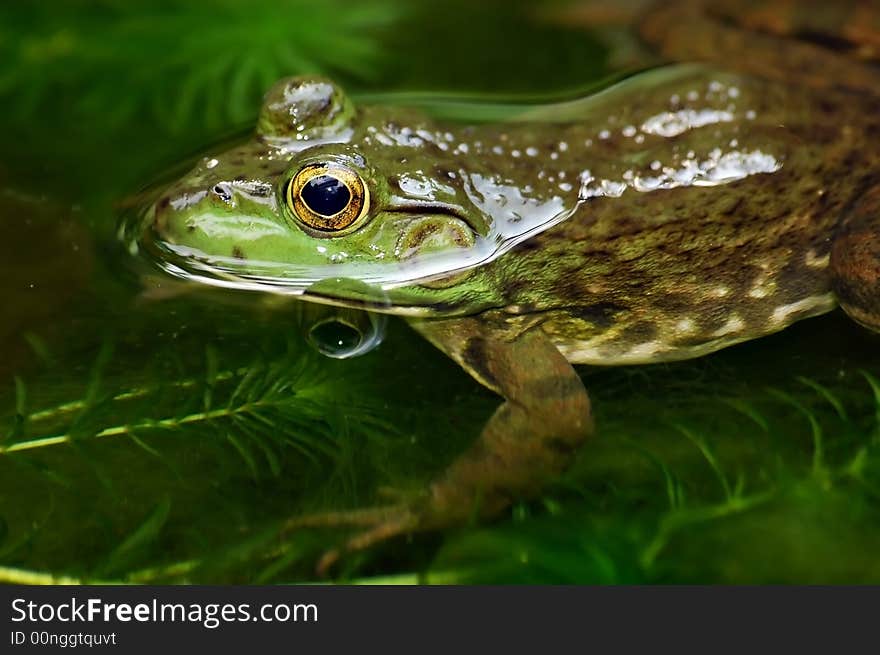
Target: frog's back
[809,43]
[681,272]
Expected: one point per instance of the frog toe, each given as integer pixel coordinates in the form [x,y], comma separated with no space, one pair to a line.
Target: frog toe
[374,525]
[394,522]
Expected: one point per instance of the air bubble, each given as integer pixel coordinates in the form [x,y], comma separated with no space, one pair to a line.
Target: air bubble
[346,333]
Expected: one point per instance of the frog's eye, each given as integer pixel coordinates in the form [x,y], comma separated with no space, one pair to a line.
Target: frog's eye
[327,197]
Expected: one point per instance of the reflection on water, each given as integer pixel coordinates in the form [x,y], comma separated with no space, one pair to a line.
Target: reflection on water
[342,333]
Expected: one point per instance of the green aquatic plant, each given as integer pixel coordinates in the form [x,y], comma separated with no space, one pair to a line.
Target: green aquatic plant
[277,410]
[191,474]
[785,491]
[180,64]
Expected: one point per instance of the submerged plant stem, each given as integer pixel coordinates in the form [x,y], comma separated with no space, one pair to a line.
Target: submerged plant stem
[11,575]
[116,430]
[132,394]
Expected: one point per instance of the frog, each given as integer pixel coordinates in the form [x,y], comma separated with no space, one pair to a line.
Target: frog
[707,202]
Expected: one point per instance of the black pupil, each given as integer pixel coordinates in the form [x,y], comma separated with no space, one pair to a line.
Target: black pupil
[326,195]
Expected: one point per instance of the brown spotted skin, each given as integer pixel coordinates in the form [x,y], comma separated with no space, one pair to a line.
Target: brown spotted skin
[814,43]
[679,273]
[855,260]
[850,27]
[707,269]
[833,48]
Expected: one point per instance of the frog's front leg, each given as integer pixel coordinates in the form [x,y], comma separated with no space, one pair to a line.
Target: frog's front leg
[855,261]
[531,437]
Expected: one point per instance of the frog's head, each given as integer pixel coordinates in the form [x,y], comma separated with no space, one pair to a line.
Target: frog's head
[324,192]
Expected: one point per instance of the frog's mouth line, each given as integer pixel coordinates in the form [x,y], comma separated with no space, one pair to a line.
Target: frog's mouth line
[368,296]
[381,281]
[281,278]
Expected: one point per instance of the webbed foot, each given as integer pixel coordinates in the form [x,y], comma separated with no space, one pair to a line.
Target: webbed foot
[532,437]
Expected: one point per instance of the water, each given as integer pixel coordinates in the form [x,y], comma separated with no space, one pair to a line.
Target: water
[157,431]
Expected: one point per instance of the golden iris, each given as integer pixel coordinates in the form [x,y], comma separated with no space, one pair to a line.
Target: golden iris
[328,197]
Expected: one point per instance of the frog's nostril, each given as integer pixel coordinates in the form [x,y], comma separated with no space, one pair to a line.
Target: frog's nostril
[222,191]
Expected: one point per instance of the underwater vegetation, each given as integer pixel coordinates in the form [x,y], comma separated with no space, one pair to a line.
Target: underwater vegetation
[177,62]
[171,439]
